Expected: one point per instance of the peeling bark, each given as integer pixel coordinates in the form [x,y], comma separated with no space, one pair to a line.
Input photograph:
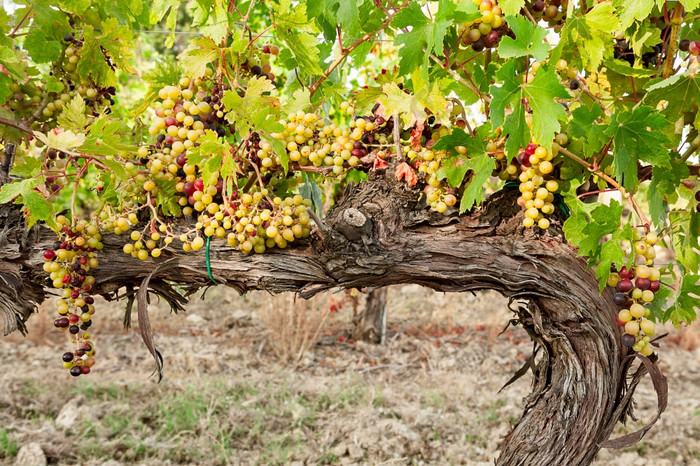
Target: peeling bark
[378,236]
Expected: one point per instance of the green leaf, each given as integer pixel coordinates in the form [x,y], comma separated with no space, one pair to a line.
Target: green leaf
[529,40]
[611,253]
[592,33]
[583,125]
[73,114]
[426,34]
[40,49]
[201,52]
[633,10]
[166,199]
[455,167]
[10,191]
[298,34]
[255,111]
[546,111]
[664,183]
[112,41]
[511,7]
[279,149]
[624,68]
[682,92]
[412,107]
[687,301]
[165,73]
[27,166]
[116,167]
[636,136]
[482,166]
[37,208]
[310,190]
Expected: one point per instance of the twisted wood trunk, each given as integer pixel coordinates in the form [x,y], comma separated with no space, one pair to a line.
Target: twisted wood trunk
[377,236]
[370,324]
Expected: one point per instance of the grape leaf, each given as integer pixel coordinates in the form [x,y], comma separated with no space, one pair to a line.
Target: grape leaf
[64,141]
[212,22]
[37,208]
[254,110]
[663,184]
[687,301]
[624,68]
[166,199]
[686,241]
[412,107]
[455,166]
[165,73]
[592,33]
[114,42]
[583,125]
[546,111]
[482,165]
[10,191]
[28,165]
[611,253]
[158,10]
[201,52]
[690,4]
[630,11]
[511,7]
[426,34]
[636,136]
[299,35]
[529,40]
[73,114]
[299,100]
[40,49]
[682,92]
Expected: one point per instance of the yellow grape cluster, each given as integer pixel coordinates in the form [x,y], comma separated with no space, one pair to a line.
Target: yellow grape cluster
[438,195]
[537,191]
[309,140]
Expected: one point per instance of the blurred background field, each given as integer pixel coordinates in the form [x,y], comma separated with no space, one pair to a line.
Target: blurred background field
[266,379]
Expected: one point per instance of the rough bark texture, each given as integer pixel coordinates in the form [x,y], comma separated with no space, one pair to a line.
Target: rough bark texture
[370,324]
[377,236]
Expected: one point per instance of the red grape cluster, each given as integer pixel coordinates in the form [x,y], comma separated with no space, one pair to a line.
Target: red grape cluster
[69,263]
[635,288]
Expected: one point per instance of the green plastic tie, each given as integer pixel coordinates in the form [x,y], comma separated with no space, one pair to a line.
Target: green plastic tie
[211,277]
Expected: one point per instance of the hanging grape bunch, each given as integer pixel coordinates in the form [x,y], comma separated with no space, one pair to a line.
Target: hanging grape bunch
[636,287]
[257,62]
[485,32]
[551,11]
[69,264]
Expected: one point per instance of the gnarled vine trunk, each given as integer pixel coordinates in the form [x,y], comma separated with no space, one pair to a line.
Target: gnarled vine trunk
[377,236]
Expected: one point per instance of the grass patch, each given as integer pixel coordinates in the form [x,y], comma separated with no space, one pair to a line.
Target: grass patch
[8,445]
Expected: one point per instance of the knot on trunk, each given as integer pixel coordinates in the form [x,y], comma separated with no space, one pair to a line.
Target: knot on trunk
[354,224]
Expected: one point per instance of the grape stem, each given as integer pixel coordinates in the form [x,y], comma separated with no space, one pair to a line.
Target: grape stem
[610,181]
[527,13]
[586,90]
[676,20]
[16,124]
[344,54]
[13,34]
[397,137]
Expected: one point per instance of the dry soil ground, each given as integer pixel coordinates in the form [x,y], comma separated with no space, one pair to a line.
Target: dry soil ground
[428,396]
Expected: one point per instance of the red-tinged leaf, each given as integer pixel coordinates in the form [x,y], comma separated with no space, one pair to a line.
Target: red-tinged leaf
[405,172]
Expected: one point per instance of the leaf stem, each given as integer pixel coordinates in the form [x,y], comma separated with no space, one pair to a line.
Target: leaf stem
[344,54]
[12,35]
[610,181]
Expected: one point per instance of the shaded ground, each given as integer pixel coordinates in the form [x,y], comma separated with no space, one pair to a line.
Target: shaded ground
[429,396]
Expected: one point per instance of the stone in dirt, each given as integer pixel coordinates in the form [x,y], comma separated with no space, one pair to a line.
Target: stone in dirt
[75,411]
[31,454]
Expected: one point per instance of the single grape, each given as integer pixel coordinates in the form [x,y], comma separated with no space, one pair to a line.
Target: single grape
[628,340]
[75,371]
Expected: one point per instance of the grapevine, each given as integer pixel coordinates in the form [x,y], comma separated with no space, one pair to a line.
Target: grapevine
[263,119]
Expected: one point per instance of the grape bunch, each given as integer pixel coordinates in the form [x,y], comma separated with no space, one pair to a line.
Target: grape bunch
[537,187]
[486,31]
[34,101]
[697,198]
[635,287]
[68,264]
[257,62]
[309,140]
[551,11]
